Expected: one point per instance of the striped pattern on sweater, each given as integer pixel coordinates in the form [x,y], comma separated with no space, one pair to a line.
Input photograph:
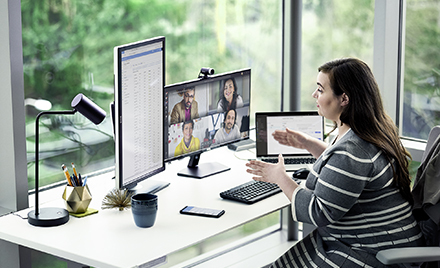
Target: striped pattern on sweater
[350,196]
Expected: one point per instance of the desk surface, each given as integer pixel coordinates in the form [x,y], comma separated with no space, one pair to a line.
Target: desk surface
[111,239]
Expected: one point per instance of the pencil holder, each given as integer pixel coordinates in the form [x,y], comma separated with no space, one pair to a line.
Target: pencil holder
[77,199]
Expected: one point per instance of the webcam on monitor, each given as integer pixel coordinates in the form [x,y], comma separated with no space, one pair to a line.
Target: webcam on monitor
[205,71]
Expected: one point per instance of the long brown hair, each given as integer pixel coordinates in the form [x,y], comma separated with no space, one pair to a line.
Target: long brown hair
[366,115]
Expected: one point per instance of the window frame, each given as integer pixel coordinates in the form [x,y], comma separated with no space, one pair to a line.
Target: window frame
[388,66]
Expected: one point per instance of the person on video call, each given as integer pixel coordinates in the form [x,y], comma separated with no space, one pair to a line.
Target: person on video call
[230,130]
[229,98]
[358,192]
[187,109]
[189,143]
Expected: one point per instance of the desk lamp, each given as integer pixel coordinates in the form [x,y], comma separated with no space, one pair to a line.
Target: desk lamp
[46,217]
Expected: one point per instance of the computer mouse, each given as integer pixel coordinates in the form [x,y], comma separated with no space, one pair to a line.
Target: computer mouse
[301,173]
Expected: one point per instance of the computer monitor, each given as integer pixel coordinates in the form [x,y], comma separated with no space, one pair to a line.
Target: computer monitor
[204,114]
[139,70]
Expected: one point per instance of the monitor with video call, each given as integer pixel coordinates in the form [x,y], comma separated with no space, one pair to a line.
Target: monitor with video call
[204,114]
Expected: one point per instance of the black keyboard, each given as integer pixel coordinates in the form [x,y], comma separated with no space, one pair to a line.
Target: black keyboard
[291,161]
[251,192]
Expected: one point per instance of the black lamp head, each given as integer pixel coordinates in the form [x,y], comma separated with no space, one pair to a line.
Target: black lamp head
[88,108]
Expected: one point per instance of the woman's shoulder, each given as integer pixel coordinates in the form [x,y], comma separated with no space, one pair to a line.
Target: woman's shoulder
[239,98]
[353,144]
[219,106]
[239,101]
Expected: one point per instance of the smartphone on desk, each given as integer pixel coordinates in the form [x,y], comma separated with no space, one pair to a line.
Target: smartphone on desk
[205,212]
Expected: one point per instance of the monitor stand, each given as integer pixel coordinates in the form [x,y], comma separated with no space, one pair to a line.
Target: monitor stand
[147,186]
[194,170]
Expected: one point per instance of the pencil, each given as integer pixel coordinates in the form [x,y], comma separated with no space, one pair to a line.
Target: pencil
[66,173]
[74,170]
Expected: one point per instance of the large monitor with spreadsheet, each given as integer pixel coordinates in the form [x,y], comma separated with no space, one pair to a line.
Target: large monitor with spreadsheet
[204,114]
[139,70]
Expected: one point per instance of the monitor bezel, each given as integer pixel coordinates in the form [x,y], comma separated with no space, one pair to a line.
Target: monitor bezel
[200,81]
[120,183]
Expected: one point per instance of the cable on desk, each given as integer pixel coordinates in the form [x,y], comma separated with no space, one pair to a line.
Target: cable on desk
[18,215]
[245,159]
[13,213]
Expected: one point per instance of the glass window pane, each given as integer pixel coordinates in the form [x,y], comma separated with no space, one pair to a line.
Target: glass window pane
[421,106]
[68,49]
[330,30]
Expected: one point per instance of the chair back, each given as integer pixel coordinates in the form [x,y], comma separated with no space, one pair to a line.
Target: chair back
[433,135]
[427,211]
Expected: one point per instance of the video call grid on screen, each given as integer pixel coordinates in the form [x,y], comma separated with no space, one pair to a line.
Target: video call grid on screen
[139,81]
[310,123]
[210,119]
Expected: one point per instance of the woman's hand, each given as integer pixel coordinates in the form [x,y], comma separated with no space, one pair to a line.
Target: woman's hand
[300,140]
[273,173]
[266,171]
[291,138]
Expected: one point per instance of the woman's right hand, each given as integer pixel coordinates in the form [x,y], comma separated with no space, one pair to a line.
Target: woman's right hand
[292,138]
[300,140]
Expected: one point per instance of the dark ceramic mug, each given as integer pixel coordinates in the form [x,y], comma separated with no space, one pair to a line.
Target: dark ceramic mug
[144,209]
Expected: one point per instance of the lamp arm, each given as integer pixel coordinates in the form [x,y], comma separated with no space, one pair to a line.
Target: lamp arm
[37,131]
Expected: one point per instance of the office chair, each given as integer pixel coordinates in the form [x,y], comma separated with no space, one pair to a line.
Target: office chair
[428,256]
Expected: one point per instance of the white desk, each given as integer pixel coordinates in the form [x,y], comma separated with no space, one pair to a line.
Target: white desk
[111,239]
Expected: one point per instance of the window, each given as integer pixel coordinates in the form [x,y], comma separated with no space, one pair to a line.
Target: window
[68,49]
[421,99]
[330,30]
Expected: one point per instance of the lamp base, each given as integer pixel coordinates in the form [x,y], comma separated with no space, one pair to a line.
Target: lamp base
[48,217]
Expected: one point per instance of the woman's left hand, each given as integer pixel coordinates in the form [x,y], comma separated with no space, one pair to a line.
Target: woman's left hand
[273,173]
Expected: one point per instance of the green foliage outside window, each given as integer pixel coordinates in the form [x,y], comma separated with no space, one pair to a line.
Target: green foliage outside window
[68,49]
[421,109]
[333,29]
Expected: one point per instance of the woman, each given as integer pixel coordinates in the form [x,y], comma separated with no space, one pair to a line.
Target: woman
[189,143]
[358,193]
[229,97]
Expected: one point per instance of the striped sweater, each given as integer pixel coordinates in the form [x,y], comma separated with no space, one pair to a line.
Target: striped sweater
[351,198]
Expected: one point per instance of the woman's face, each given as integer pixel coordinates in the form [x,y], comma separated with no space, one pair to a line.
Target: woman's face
[228,90]
[329,105]
[187,132]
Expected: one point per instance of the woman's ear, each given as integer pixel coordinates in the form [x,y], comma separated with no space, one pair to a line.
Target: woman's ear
[344,100]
